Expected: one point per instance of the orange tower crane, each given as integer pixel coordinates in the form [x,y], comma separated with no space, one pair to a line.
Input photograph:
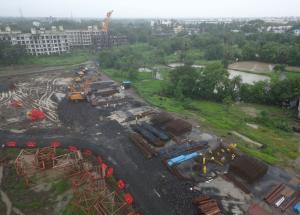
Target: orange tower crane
[105,23]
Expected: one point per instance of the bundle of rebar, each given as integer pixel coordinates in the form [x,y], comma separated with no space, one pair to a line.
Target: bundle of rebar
[178,127]
[161,118]
[160,134]
[248,168]
[142,144]
[155,141]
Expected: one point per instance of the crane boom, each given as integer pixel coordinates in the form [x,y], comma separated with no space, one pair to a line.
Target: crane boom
[105,23]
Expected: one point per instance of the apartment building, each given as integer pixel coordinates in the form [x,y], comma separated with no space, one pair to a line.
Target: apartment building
[39,42]
[58,41]
[82,38]
[106,40]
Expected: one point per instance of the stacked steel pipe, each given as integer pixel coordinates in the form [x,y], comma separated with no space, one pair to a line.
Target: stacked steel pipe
[155,141]
[142,144]
[282,197]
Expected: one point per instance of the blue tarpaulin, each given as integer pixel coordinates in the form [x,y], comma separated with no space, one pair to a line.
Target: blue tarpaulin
[297,207]
[182,158]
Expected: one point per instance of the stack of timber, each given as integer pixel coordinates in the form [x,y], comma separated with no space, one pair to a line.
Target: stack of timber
[207,206]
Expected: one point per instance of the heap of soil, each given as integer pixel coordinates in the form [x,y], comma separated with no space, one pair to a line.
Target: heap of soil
[79,113]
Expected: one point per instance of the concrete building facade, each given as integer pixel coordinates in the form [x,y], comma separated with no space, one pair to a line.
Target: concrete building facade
[59,41]
[39,42]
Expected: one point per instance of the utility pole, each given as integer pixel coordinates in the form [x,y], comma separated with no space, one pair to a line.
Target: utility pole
[21,12]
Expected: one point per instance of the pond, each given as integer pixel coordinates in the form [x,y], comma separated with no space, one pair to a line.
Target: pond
[247,78]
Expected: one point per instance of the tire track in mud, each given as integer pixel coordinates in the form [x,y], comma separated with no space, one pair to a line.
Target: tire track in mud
[35,97]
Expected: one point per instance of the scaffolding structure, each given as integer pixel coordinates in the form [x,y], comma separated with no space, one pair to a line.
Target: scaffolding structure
[92,195]
[44,156]
[25,164]
[31,161]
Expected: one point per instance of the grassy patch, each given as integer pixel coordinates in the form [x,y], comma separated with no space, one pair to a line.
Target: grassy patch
[72,210]
[60,186]
[206,62]
[76,57]
[280,145]
[25,199]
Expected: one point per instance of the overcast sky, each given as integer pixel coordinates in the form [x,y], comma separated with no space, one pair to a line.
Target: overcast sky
[150,8]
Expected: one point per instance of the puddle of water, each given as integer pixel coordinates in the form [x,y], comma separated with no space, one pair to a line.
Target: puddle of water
[144,69]
[248,78]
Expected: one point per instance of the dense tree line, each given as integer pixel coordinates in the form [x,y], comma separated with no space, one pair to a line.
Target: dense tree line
[213,83]
[11,54]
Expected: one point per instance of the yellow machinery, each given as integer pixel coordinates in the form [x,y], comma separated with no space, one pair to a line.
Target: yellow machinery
[75,95]
[204,170]
[105,23]
[78,95]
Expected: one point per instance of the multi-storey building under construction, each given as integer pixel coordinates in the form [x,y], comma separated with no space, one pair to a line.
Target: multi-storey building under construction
[58,41]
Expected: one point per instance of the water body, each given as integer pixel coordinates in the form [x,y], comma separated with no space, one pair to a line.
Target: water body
[248,78]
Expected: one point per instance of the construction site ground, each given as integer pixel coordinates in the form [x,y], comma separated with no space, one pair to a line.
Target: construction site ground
[155,189]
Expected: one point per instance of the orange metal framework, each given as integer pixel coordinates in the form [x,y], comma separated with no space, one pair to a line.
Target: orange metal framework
[93,196]
[24,166]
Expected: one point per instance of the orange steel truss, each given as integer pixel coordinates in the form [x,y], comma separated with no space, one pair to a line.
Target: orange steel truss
[44,156]
[30,161]
[25,164]
[93,196]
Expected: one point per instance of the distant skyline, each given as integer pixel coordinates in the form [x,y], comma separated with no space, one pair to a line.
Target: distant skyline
[150,9]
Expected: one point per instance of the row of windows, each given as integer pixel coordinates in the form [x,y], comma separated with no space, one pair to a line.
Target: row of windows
[42,37]
[45,50]
[40,43]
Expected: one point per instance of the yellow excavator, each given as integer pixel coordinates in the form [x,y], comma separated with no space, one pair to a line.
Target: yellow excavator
[78,95]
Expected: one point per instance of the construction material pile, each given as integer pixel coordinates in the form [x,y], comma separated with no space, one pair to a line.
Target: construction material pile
[79,114]
[142,144]
[106,93]
[132,114]
[282,197]
[161,119]
[36,114]
[255,209]
[148,135]
[248,168]
[176,127]
[100,85]
[207,206]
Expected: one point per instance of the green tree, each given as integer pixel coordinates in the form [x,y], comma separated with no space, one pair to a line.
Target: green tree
[11,54]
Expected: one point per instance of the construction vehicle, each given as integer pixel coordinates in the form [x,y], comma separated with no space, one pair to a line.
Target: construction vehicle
[105,23]
[75,94]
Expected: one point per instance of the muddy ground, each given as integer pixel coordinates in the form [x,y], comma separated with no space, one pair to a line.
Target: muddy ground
[155,190]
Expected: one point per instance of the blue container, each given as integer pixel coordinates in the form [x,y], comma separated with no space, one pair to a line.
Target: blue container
[182,158]
[297,207]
